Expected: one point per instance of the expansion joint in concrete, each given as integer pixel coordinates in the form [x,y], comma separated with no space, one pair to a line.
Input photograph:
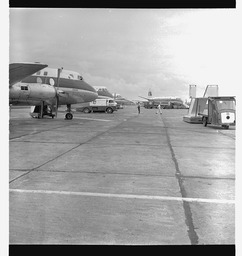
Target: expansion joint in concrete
[186,206]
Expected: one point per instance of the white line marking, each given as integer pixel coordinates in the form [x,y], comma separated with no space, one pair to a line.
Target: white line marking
[102,120]
[162,198]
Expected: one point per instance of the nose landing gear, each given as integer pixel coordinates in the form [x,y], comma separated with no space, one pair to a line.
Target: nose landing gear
[68,115]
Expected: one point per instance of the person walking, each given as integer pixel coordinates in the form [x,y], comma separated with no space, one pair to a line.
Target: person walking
[138,107]
[159,109]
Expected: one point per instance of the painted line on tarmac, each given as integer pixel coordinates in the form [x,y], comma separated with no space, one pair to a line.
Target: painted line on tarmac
[162,198]
[85,118]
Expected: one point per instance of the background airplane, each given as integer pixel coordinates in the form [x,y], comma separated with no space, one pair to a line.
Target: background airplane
[165,102]
[121,100]
[47,88]
[103,92]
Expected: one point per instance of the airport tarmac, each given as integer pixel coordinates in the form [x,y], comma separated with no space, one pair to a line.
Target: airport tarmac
[122,179]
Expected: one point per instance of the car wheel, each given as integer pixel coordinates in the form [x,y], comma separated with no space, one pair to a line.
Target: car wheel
[109,110]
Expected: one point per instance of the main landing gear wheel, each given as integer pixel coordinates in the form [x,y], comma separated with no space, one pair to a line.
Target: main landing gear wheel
[69,116]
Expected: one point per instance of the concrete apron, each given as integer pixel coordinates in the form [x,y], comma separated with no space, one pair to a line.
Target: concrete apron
[122,183]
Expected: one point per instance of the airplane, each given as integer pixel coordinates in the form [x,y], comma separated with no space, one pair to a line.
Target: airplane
[165,102]
[47,88]
[103,92]
[121,100]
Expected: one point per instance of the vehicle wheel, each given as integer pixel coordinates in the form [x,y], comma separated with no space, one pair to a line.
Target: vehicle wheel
[109,110]
[69,116]
[205,121]
[86,110]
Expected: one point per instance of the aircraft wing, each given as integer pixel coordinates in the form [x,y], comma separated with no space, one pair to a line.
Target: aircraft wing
[175,102]
[144,98]
[18,71]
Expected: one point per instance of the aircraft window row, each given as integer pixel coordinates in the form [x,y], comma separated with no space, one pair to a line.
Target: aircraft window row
[24,88]
[70,76]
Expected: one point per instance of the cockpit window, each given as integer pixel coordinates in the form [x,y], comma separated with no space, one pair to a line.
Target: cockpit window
[79,77]
[71,76]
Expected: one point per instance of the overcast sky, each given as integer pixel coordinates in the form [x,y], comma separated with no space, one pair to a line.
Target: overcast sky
[133,50]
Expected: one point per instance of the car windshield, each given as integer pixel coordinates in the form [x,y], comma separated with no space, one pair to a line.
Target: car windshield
[225,104]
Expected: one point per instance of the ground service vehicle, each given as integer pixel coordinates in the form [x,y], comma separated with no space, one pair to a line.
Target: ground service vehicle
[107,105]
[220,111]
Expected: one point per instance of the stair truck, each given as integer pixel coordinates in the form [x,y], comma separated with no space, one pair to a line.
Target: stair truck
[220,111]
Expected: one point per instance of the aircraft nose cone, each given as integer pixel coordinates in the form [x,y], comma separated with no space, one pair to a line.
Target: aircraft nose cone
[94,95]
[92,92]
[91,88]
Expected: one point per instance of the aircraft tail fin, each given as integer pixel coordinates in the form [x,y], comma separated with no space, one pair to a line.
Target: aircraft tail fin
[149,93]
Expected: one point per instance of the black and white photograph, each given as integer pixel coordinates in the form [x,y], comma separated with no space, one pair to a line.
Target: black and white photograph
[122,126]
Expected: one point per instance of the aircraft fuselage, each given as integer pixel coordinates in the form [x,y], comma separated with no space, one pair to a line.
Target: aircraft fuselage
[31,94]
[43,85]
